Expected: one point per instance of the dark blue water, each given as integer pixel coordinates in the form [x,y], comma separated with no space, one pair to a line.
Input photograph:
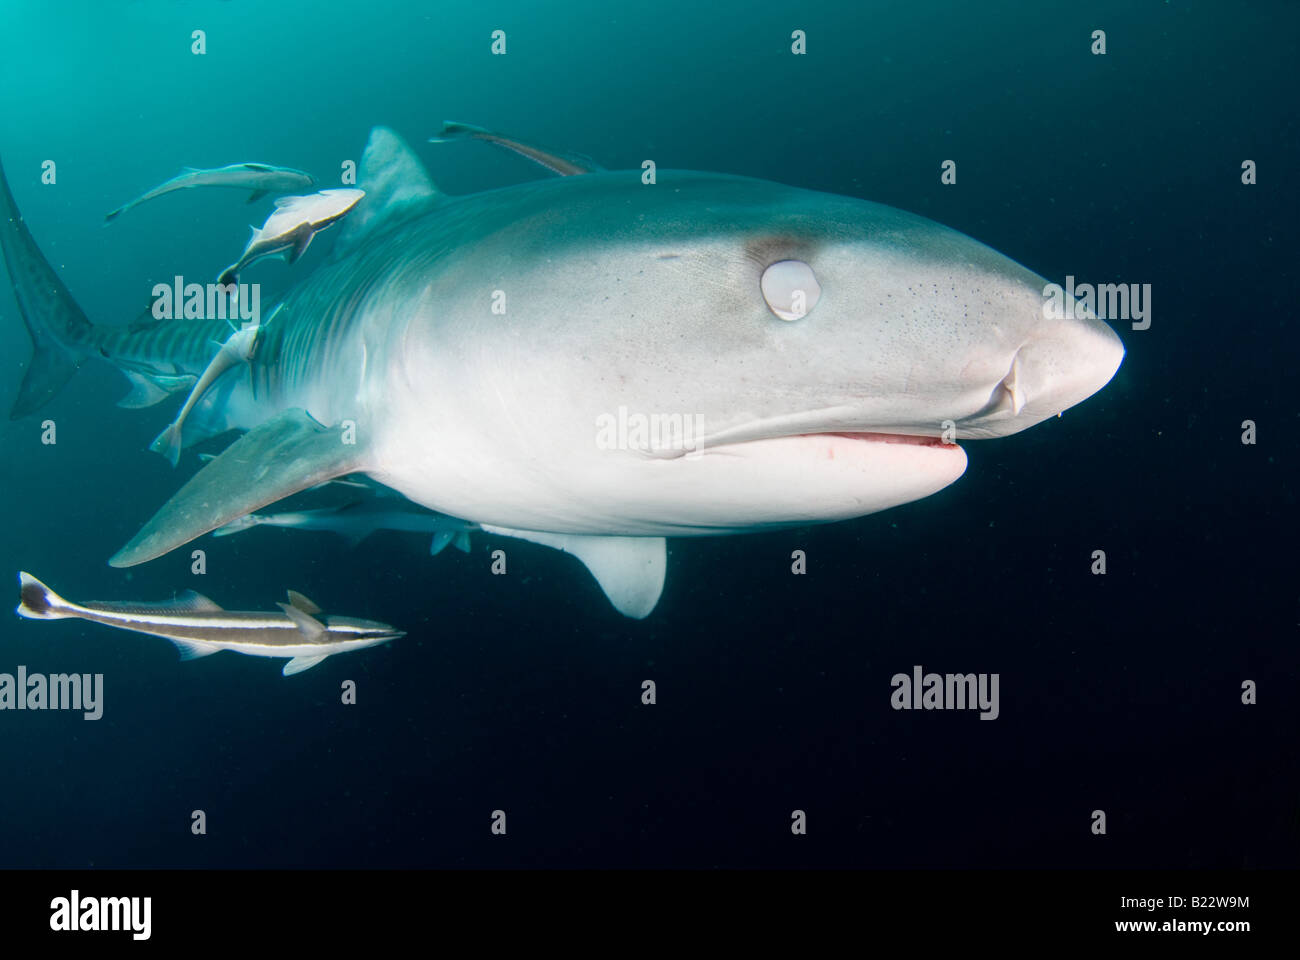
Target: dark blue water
[522,693]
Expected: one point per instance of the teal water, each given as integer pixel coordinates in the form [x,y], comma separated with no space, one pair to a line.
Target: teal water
[1122,694]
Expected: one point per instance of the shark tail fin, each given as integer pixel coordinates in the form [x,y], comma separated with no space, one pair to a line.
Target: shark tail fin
[39,602]
[56,325]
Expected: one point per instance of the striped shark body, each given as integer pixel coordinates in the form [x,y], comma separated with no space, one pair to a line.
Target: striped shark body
[199,628]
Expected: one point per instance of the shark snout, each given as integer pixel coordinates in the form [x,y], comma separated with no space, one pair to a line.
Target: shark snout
[1064,365]
[1055,368]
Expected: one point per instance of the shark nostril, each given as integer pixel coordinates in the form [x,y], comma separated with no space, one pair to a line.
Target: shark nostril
[1013,386]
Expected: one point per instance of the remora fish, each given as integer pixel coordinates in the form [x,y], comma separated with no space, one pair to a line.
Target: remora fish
[290,227]
[358,520]
[708,355]
[565,166]
[239,348]
[260,178]
[200,628]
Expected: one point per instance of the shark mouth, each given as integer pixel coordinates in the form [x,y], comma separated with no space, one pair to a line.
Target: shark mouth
[869,437]
[729,443]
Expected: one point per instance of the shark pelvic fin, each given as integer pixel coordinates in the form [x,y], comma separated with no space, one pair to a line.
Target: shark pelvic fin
[629,569]
[440,540]
[396,186]
[280,457]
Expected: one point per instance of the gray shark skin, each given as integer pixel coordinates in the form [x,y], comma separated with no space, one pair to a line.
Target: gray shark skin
[497,358]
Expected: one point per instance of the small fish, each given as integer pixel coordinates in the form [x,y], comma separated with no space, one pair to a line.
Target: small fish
[358,520]
[200,628]
[291,226]
[260,178]
[566,165]
[239,348]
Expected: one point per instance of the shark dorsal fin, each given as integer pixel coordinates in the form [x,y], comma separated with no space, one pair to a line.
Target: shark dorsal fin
[302,603]
[396,186]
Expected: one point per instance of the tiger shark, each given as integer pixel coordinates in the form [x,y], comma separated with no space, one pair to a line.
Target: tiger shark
[524,358]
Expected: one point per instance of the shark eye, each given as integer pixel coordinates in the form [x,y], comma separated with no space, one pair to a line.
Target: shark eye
[790,288]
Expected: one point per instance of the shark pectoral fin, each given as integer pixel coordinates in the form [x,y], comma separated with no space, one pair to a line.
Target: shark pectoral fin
[629,569]
[190,650]
[299,664]
[280,457]
[462,541]
[440,541]
[302,603]
[255,196]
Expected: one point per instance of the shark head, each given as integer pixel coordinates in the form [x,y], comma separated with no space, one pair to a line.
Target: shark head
[711,354]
